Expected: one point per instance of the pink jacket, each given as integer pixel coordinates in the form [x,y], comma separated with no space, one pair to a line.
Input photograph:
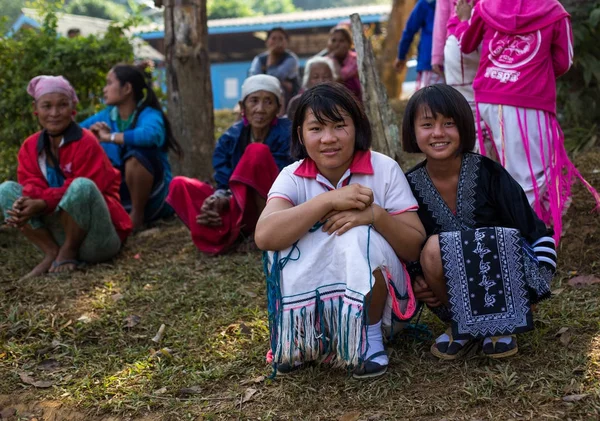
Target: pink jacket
[525,46]
[349,73]
[444,25]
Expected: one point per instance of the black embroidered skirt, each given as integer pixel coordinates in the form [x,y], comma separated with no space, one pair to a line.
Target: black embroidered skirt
[490,275]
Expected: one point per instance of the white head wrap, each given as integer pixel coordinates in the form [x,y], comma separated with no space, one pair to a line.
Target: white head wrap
[262,83]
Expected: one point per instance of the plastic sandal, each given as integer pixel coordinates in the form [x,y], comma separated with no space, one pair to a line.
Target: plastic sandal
[497,350]
[369,369]
[451,350]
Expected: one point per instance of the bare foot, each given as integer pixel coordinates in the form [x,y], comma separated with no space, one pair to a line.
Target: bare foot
[137,220]
[64,255]
[247,245]
[42,267]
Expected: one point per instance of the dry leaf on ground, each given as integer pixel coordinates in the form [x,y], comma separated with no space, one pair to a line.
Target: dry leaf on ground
[564,335]
[6,413]
[163,352]
[255,380]
[248,394]
[41,384]
[350,416]
[49,364]
[84,319]
[583,281]
[132,320]
[117,297]
[188,391]
[574,398]
[159,335]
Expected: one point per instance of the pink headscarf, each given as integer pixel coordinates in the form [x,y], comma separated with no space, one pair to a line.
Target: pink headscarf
[41,85]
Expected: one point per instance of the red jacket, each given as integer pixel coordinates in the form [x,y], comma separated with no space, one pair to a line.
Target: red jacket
[79,156]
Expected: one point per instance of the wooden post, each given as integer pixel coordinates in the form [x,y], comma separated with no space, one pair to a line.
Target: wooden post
[386,134]
[189,89]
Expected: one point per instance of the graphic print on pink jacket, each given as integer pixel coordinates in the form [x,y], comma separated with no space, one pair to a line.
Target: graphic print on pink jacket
[525,46]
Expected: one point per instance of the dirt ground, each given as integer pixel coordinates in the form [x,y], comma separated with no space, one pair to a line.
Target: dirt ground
[77,334]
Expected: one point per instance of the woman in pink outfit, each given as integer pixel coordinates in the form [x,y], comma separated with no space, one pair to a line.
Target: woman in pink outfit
[340,50]
[458,68]
[525,46]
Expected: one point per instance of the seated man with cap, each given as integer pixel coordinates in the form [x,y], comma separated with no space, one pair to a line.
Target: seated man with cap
[246,160]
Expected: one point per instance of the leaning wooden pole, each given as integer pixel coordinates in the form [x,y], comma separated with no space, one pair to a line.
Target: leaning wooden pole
[386,134]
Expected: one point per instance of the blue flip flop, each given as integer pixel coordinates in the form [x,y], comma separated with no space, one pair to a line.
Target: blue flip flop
[370,369]
[78,265]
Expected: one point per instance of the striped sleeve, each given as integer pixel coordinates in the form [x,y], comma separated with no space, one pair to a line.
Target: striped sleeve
[545,251]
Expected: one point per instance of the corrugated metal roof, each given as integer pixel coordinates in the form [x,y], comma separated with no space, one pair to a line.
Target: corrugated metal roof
[295,20]
[307,15]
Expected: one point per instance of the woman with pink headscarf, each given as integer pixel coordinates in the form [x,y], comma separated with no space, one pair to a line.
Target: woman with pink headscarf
[66,198]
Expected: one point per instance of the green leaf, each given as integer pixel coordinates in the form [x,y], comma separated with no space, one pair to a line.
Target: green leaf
[594,19]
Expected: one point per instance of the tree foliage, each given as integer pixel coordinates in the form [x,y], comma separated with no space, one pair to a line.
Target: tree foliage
[579,90]
[11,9]
[84,61]
[269,7]
[97,9]
[221,9]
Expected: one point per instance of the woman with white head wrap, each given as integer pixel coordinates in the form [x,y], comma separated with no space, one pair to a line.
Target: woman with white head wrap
[246,160]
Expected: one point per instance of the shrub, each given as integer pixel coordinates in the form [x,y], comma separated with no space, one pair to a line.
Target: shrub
[84,61]
[579,90]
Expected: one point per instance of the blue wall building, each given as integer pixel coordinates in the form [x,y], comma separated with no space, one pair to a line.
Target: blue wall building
[233,43]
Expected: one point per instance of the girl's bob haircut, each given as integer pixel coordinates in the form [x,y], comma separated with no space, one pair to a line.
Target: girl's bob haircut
[327,101]
[444,100]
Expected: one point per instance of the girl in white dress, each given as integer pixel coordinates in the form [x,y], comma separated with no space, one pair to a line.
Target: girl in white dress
[338,223]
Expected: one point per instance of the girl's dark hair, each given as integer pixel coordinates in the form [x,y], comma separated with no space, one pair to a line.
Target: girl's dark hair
[278,29]
[142,90]
[326,100]
[344,31]
[444,100]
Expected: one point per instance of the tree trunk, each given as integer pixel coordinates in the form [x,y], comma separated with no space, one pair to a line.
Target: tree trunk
[384,125]
[189,90]
[395,25]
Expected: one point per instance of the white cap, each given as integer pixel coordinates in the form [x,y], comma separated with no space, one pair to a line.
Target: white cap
[262,83]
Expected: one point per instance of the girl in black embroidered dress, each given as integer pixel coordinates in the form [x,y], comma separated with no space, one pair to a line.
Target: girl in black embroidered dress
[488,257]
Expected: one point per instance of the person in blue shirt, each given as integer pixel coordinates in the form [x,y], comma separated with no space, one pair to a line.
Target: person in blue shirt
[246,160]
[136,135]
[279,62]
[421,19]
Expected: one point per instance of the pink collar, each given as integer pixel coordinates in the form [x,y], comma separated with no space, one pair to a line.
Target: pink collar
[361,164]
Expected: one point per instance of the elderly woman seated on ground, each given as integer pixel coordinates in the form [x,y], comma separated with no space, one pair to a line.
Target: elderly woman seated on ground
[137,136]
[247,159]
[317,70]
[66,200]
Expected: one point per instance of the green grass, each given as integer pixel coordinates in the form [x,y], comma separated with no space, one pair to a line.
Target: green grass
[216,337]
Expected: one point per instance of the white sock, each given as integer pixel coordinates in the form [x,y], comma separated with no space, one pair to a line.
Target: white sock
[375,338]
[502,339]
